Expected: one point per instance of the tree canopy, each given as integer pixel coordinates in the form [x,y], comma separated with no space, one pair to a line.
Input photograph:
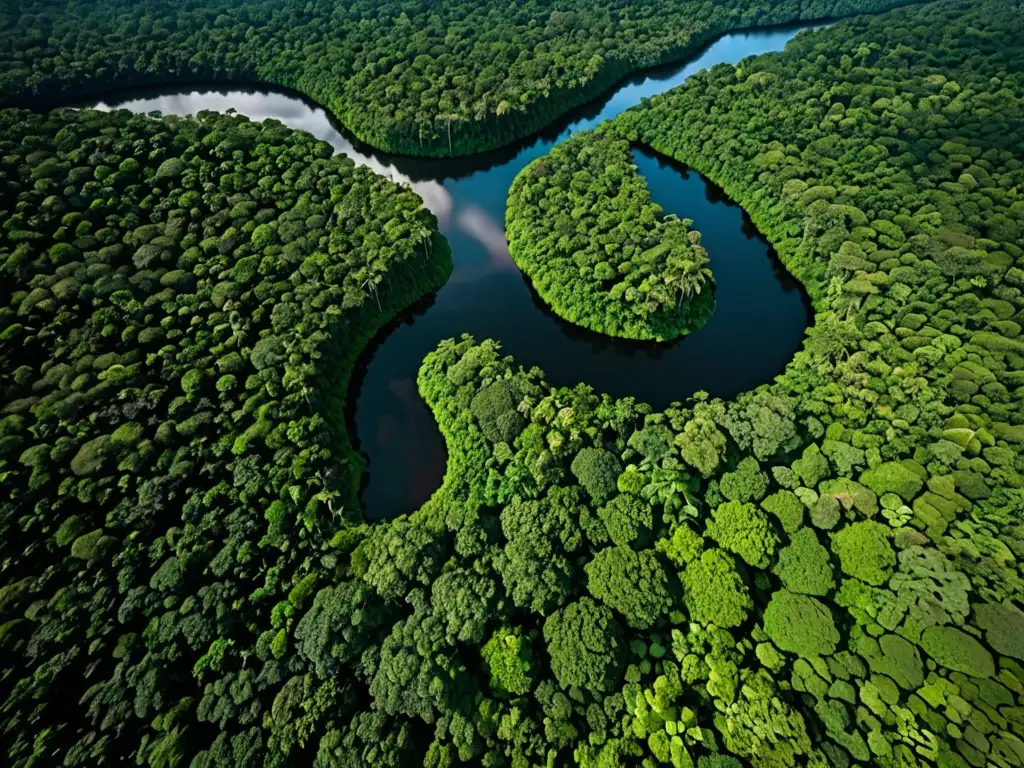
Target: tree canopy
[437,78]
[185,577]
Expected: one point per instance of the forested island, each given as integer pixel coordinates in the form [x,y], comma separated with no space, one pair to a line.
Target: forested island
[440,78]
[581,225]
[823,571]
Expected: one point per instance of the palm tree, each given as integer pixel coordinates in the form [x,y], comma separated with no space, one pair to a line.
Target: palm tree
[420,232]
[326,496]
[525,407]
[673,488]
[369,280]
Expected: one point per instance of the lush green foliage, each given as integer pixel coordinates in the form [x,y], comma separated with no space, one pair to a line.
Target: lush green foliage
[581,225]
[585,644]
[184,302]
[427,78]
[715,592]
[633,583]
[804,565]
[800,624]
[864,551]
[744,530]
[571,594]
[508,659]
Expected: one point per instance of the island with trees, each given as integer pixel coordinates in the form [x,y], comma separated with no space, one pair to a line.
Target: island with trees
[447,77]
[581,225]
[827,570]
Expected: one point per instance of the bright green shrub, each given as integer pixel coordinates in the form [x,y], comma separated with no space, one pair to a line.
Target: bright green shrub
[1004,627]
[633,583]
[684,545]
[804,565]
[713,590]
[508,659]
[800,625]
[893,477]
[954,649]
[584,642]
[628,519]
[597,470]
[787,507]
[864,551]
[496,412]
[744,530]
[746,483]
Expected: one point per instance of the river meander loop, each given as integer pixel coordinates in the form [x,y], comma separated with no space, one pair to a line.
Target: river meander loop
[759,319]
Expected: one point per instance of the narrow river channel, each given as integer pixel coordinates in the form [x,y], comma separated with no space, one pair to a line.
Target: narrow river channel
[758,323]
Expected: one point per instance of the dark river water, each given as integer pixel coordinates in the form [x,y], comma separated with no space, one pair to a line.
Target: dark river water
[758,322]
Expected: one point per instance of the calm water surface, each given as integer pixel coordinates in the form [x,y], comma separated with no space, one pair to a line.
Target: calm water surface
[758,323]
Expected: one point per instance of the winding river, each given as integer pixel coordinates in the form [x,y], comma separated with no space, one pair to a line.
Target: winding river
[758,323]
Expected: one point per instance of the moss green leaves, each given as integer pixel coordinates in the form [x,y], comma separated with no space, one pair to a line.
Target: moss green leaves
[1004,627]
[805,565]
[954,649]
[894,657]
[508,659]
[893,477]
[746,483]
[171,168]
[865,552]
[628,519]
[634,583]
[495,409]
[713,590]
[744,530]
[800,624]
[787,507]
[537,572]
[584,642]
[90,458]
[684,545]
[597,470]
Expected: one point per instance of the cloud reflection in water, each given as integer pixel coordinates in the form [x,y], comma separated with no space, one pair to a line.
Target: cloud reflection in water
[295,114]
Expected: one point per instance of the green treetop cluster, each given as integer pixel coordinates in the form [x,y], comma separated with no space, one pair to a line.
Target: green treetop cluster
[426,78]
[584,588]
[580,223]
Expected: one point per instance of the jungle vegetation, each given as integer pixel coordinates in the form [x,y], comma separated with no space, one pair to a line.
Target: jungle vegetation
[423,78]
[824,571]
[581,225]
[183,304]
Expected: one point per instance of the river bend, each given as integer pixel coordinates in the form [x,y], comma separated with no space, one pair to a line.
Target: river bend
[758,322]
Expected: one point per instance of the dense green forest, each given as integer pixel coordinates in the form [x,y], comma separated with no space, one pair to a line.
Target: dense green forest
[183,304]
[580,223]
[825,571]
[423,77]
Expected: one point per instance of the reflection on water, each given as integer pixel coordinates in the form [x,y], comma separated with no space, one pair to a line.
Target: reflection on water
[293,112]
[758,322]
